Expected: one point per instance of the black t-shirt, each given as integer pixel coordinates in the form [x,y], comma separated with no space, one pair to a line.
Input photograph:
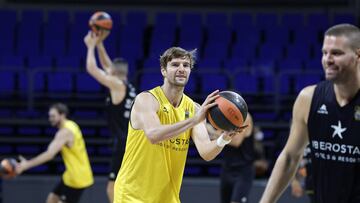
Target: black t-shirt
[118,115]
[334,134]
[244,155]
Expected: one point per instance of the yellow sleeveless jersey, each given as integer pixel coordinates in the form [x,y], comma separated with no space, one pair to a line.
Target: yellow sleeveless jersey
[78,173]
[152,173]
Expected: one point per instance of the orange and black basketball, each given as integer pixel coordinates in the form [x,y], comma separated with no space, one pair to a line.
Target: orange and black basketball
[8,168]
[230,113]
[100,20]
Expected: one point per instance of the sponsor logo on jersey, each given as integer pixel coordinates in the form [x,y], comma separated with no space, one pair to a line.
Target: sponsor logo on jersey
[322,110]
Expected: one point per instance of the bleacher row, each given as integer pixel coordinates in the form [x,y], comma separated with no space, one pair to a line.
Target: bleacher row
[264,56]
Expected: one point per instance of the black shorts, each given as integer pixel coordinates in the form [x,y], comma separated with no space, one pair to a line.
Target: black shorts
[117,157]
[236,184]
[68,194]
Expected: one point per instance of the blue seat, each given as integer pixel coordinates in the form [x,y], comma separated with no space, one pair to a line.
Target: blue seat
[215,33]
[87,114]
[344,18]
[246,83]
[216,50]
[28,114]
[158,47]
[50,131]
[105,151]
[87,132]
[268,83]
[313,64]
[304,80]
[150,80]
[242,51]
[299,51]
[266,20]
[55,32]
[73,61]
[5,149]
[137,18]
[271,51]
[29,32]
[6,131]
[193,20]
[216,19]
[239,20]
[27,149]
[152,63]
[166,20]
[318,21]
[248,36]
[290,64]
[264,66]
[78,29]
[209,64]
[7,31]
[38,82]
[5,113]
[100,168]
[293,20]
[40,62]
[60,82]
[131,43]
[191,86]
[86,84]
[7,79]
[235,64]
[277,34]
[29,131]
[210,82]
[104,132]
[286,84]
[306,35]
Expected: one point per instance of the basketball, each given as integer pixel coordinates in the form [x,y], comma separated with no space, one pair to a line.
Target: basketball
[100,20]
[7,168]
[230,112]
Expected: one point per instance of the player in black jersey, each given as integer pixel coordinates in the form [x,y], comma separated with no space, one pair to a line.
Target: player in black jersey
[118,103]
[327,116]
[237,167]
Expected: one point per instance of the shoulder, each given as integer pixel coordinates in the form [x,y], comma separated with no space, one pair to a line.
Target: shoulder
[147,99]
[307,93]
[63,133]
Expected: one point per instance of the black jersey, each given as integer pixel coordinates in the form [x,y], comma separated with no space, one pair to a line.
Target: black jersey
[334,135]
[118,114]
[244,155]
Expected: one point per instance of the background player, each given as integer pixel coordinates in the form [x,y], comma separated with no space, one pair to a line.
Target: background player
[69,140]
[119,101]
[328,115]
[237,167]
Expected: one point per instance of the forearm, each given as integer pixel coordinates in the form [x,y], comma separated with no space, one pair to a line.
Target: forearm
[208,151]
[283,172]
[38,160]
[103,56]
[165,132]
[90,60]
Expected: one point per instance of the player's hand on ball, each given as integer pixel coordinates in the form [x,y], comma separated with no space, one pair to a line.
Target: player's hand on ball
[91,39]
[21,167]
[208,103]
[228,135]
[102,34]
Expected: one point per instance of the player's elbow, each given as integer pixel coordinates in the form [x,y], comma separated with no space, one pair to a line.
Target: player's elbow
[207,157]
[151,136]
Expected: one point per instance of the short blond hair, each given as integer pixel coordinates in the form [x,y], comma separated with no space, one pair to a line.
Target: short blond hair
[177,52]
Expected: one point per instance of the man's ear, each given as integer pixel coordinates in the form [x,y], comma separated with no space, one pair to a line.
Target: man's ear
[163,71]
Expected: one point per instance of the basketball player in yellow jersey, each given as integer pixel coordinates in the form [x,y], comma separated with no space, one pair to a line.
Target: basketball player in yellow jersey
[162,121]
[69,140]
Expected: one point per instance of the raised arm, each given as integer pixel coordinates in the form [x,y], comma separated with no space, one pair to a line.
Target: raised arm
[62,137]
[288,160]
[144,117]
[104,58]
[91,66]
